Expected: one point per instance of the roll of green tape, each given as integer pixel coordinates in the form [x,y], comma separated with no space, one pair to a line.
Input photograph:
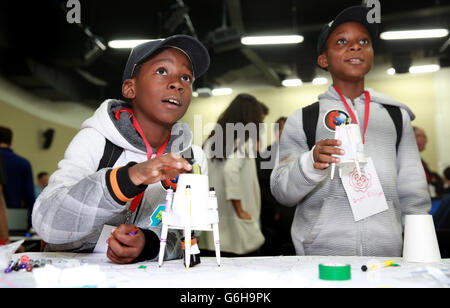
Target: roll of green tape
[334,271]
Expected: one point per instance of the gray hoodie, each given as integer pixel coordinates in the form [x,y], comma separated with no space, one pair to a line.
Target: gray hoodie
[71,211]
[323,222]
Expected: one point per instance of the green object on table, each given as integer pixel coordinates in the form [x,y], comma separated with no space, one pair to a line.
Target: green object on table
[334,271]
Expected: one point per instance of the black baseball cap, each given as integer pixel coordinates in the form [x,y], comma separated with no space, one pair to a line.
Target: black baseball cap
[356,13]
[193,48]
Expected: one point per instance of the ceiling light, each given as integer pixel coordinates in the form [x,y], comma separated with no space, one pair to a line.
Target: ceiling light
[272,40]
[424,69]
[319,81]
[291,82]
[413,34]
[391,71]
[222,91]
[127,43]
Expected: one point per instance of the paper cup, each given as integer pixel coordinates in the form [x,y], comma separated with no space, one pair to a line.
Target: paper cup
[352,145]
[420,243]
[199,194]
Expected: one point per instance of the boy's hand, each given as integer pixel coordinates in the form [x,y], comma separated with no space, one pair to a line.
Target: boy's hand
[124,247]
[160,168]
[323,151]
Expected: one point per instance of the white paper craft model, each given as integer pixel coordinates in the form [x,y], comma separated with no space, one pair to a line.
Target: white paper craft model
[194,207]
[352,145]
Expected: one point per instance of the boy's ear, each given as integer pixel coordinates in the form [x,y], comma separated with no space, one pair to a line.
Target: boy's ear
[322,60]
[128,89]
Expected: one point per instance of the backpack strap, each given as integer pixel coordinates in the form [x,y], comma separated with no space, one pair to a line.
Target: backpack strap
[111,154]
[396,115]
[188,154]
[310,115]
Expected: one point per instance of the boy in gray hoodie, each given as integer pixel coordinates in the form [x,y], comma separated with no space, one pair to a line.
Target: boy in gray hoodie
[324,223]
[90,190]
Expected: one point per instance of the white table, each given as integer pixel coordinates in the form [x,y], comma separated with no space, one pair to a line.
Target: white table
[80,270]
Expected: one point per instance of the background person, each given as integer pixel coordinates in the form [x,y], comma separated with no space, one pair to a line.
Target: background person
[19,189]
[435,183]
[233,174]
[42,182]
[324,222]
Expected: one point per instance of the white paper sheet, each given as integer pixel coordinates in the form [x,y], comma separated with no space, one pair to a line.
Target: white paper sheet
[102,246]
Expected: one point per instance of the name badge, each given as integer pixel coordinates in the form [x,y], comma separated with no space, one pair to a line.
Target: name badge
[364,192]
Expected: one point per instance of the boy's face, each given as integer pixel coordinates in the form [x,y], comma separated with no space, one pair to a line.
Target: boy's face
[348,55]
[162,90]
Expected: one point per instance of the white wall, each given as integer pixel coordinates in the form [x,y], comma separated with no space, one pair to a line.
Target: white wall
[441,88]
[426,94]
[29,116]
[70,114]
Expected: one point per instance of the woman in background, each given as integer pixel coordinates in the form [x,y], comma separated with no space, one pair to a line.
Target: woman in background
[231,152]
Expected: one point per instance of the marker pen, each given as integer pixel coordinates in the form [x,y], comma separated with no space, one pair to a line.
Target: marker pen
[187,232]
[213,205]
[376,265]
[169,198]
[337,137]
[10,267]
[165,227]
[135,229]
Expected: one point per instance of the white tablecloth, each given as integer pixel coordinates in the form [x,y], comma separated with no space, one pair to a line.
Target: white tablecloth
[93,270]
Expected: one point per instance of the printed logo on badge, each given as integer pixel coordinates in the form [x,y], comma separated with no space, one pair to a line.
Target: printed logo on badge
[156,217]
[333,118]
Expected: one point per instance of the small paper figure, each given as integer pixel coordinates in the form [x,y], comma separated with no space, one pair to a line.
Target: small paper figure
[195,252]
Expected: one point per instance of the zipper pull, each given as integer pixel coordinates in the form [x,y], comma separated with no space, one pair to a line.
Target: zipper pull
[128,217]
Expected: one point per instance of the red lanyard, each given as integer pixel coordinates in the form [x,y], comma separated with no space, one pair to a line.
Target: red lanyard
[350,111]
[137,200]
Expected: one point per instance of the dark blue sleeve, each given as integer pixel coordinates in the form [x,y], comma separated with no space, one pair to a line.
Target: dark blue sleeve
[442,216]
[30,195]
[151,248]
[2,172]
